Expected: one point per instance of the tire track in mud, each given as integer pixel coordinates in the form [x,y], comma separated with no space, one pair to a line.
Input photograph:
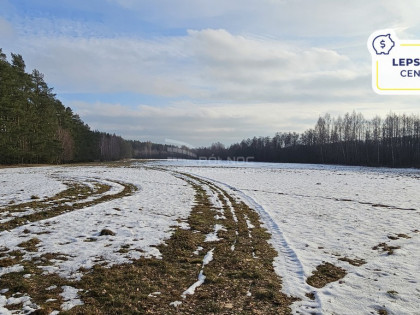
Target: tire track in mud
[287,261]
[221,264]
[77,196]
[237,225]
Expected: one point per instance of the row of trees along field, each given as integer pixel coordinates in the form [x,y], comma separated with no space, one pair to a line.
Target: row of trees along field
[351,140]
[35,127]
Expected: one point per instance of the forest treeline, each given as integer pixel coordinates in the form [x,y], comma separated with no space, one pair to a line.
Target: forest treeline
[35,127]
[351,139]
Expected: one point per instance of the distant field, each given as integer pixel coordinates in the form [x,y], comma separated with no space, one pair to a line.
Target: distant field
[208,237]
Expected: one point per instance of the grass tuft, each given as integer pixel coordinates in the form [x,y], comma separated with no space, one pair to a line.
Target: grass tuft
[107,232]
[386,248]
[324,274]
[355,262]
[31,245]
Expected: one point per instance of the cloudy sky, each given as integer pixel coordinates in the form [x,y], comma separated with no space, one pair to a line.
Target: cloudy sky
[200,71]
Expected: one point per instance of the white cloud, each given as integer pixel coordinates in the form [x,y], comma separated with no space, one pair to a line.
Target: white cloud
[281,18]
[240,68]
[7,31]
[221,48]
[188,122]
[99,65]
[206,65]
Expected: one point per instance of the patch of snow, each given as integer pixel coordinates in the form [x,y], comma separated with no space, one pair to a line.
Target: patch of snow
[184,225]
[195,285]
[15,268]
[71,298]
[248,223]
[51,288]
[232,210]
[208,258]
[20,184]
[175,303]
[197,251]
[3,310]
[27,305]
[212,237]
[219,217]
[154,294]
[201,277]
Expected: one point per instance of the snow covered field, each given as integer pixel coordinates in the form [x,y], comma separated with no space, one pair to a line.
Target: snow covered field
[363,220]
[326,213]
[139,221]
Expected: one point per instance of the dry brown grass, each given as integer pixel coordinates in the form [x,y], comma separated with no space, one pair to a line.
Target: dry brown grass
[36,285]
[242,281]
[230,276]
[324,274]
[30,245]
[353,261]
[386,248]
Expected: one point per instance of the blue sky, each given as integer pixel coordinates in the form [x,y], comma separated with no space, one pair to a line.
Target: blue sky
[204,71]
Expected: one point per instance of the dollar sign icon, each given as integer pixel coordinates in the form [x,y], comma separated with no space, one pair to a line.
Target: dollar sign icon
[382,42]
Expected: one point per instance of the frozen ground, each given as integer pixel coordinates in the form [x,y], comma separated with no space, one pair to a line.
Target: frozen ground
[327,213]
[20,184]
[314,213]
[140,221]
